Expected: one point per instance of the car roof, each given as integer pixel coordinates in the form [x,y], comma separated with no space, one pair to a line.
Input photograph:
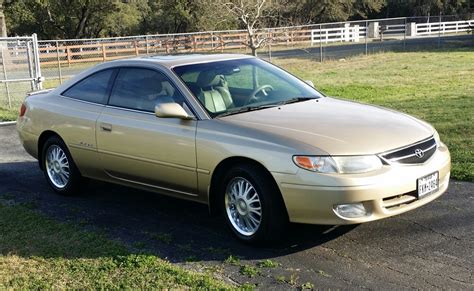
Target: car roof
[184,59]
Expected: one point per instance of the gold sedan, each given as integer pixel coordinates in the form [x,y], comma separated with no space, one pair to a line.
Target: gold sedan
[255,143]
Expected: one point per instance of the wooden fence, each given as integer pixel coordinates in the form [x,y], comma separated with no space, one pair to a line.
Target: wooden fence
[444,27]
[68,52]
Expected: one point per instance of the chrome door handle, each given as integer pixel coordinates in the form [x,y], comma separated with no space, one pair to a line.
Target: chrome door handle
[106,127]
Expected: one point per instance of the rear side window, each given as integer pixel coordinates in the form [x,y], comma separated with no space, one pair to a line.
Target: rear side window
[94,88]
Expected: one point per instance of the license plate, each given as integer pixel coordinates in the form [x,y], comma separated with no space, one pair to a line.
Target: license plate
[427,184]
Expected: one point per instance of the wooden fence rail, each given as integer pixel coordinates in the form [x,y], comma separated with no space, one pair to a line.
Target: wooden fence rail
[67,52]
[102,51]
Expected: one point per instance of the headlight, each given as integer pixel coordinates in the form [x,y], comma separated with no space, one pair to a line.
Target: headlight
[316,164]
[437,138]
[357,164]
[338,164]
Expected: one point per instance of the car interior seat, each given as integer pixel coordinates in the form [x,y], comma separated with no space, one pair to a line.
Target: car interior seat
[214,93]
[150,90]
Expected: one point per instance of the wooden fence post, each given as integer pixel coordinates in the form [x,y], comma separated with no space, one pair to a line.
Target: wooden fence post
[104,53]
[59,63]
[136,47]
[68,54]
[147,45]
[212,41]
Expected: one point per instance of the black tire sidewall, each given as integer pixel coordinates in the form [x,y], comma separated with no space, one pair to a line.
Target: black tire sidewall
[72,186]
[272,214]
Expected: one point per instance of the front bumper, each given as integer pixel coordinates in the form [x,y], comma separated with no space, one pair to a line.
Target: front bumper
[310,197]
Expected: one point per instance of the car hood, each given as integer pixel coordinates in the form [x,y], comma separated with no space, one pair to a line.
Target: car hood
[336,126]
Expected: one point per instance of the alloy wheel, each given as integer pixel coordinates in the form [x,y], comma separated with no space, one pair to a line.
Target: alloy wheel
[57,166]
[243,206]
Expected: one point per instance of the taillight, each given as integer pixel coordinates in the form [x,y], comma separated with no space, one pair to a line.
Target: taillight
[22,110]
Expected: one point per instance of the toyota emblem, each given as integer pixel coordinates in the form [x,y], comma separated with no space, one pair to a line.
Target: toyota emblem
[419,153]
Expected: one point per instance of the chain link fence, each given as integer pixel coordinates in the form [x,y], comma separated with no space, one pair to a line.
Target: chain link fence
[346,39]
[19,70]
[62,59]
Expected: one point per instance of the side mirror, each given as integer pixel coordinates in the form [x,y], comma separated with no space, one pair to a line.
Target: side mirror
[309,82]
[171,110]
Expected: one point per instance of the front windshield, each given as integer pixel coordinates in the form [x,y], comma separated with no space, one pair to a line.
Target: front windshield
[232,86]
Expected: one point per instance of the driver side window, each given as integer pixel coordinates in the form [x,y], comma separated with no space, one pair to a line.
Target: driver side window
[140,89]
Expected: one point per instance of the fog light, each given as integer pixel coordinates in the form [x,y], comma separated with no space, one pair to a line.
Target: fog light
[353,210]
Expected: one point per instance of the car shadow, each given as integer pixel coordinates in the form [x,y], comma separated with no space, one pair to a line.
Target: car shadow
[151,223]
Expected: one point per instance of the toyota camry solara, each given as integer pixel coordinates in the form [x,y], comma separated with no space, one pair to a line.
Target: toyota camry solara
[258,145]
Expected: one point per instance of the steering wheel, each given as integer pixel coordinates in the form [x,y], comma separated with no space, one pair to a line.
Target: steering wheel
[254,96]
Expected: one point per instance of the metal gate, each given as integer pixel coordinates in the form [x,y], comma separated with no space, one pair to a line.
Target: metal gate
[20,70]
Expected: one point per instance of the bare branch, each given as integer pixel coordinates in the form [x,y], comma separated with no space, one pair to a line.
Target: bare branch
[251,14]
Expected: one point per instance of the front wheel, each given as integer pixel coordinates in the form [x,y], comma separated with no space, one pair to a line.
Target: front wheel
[59,168]
[252,205]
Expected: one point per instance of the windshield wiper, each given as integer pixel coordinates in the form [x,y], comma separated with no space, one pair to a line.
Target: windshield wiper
[295,100]
[264,106]
[246,109]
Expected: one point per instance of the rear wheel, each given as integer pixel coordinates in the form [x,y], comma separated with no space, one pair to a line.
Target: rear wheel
[59,168]
[252,205]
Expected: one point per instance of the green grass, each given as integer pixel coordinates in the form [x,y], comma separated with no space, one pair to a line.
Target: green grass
[40,253]
[8,114]
[232,260]
[249,271]
[18,94]
[307,286]
[437,87]
[267,264]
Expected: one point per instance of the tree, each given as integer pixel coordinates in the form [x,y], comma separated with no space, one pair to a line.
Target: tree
[252,15]
[127,19]
[59,18]
[426,7]
[172,16]
[364,9]
[321,11]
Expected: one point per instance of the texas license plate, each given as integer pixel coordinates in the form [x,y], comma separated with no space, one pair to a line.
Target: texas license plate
[427,184]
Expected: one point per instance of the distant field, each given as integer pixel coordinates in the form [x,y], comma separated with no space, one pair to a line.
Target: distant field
[436,86]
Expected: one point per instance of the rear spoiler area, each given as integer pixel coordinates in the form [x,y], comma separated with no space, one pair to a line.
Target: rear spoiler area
[39,92]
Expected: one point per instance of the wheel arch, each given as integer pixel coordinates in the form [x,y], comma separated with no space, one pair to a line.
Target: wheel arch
[45,135]
[221,169]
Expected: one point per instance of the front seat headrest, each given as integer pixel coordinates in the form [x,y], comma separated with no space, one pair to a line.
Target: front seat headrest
[208,79]
[151,86]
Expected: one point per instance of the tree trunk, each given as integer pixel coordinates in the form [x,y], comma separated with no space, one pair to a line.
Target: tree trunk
[254,51]
[251,43]
[82,23]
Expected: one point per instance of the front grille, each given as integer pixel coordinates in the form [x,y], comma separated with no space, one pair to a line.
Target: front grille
[416,153]
[394,202]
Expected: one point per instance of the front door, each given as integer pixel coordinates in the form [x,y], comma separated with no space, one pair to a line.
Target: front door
[135,146]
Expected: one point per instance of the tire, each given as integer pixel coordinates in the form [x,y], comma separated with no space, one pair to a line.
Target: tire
[59,168]
[260,215]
